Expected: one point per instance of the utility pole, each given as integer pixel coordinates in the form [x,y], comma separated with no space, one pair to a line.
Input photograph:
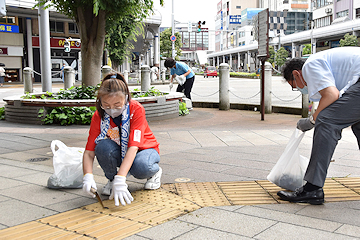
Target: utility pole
[172,31]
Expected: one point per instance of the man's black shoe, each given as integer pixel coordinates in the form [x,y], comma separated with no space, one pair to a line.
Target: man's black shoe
[315,197]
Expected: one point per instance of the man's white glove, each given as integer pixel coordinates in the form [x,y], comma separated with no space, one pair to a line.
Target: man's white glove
[88,183]
[171,85]
[305,124]
[120,191]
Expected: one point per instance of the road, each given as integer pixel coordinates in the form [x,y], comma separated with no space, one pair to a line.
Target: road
[242,90]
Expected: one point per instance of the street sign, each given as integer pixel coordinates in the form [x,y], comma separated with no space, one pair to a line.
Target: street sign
[173,38]
[263,34]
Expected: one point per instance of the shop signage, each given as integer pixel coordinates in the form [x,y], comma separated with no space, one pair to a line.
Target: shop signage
[56,43]
[3,51]
[9,28]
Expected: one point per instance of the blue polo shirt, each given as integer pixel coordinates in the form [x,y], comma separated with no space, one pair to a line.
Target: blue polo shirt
[180,69]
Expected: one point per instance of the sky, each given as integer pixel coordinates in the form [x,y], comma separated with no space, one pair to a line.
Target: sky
[188,10]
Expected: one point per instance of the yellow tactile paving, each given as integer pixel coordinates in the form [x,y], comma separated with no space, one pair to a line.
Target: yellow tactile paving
[202,193]
[352,183]
[337,192]
[245,193]
[151,208]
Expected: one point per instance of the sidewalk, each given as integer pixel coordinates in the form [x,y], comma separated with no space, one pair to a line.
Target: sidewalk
[207,147]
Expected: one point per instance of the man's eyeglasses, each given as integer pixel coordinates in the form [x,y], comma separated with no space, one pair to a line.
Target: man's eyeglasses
[293,82]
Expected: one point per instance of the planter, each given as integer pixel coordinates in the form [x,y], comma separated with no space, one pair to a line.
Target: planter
[20,110]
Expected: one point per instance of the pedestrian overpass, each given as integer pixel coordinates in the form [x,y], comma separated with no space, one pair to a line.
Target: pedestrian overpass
[243,58]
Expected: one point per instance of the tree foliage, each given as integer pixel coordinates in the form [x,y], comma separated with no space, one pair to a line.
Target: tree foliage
[272,54]
[119,39]
[307,49]
[95,18]
[349,40]
[280,56]
[166,44]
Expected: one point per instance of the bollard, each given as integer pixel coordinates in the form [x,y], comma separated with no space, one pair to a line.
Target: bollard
[126,76]
[267,85]
[224,78]
[28,84]
[105,70]
[69,77]
[163,74]
[305,106]
[145,78]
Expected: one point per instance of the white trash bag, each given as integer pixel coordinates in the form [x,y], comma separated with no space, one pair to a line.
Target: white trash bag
[180,79]
[289,171]
[67,162]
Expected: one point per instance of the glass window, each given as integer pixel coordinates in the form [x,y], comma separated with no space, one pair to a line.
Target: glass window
[8,20]
[56,27]
[73,28]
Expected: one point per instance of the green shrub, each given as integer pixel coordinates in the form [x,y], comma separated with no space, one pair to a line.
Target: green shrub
[2,113]
[67,115]
[243,74]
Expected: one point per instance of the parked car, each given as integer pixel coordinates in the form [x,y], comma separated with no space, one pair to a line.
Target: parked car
[210,71]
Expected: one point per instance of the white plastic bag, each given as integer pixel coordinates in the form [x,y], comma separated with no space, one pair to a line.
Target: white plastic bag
[67,162]
[289,171]
[180,79]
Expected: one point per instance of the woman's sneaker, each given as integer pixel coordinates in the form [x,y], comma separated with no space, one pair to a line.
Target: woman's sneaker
[154,182]
[107,188]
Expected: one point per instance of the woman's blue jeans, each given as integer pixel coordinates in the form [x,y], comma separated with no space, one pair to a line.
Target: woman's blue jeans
[108,154]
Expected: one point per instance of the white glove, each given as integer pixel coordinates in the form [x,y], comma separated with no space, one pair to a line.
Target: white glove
[180,79]
[120,191]
[305,124]
[171,85]
[88,183]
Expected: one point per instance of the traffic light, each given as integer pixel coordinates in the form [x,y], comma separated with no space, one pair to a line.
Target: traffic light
[67,46]
[199,26]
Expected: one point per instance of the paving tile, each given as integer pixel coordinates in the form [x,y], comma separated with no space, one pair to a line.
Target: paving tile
[10,183]
[285,208]
[207,233]
[228,221]
[168,230]
[71,204]
[349,230]
[207,139]
[12,172]
[39,178]
[294,232]
[38,195]
[38,166]
[3,198]
[290,218]
[245,172]
[14,212]
[333,213]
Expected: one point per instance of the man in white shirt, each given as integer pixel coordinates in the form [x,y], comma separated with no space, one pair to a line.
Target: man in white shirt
[332,78]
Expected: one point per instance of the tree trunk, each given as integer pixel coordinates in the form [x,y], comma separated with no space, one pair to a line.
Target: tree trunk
[92,32]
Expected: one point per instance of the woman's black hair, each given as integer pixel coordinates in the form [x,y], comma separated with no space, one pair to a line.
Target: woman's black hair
[290,65]
[113,83]
[169,63]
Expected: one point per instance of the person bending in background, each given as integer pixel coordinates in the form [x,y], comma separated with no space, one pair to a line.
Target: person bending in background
[183,71]
[332,78]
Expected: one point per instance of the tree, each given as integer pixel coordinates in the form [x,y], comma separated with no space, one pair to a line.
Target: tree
[94,19]
[118,39]
[272,54]
[280,56]
[166,44]
[349,40]
[307,49]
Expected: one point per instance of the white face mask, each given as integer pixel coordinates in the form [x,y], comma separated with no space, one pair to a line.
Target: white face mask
[303,90]
[115,112]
